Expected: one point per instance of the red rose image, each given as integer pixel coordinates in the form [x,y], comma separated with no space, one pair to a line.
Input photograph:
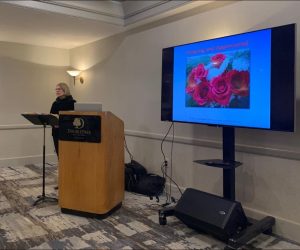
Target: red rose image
[198,73]
[218,59]
[220,90]
[219,80]
[202,93]
[239,82]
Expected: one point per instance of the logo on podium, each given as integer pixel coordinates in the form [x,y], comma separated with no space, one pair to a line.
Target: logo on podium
[78,123]
[83,128]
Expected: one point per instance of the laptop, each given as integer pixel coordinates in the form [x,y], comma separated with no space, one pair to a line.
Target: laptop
[88,106]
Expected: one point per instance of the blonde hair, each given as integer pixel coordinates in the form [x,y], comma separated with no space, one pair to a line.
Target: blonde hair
[65,88]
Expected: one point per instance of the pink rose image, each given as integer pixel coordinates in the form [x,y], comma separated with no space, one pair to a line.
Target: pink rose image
[218,59]
[239,82]
[218,80]
[198,73]
[220,90]
[202,93]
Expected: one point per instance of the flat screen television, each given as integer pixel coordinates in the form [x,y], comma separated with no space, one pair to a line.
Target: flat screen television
[244,80]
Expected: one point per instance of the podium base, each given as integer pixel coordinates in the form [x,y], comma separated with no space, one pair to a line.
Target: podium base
[91,215]
[43,198]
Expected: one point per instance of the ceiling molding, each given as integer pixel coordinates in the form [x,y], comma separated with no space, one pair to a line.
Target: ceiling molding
[136,12]
[69,24]
[86,12]
[122,13]
[106,8]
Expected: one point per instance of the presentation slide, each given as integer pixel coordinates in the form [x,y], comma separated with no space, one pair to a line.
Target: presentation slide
[224,81]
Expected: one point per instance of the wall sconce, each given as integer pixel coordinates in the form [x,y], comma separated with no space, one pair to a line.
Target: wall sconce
[75,73]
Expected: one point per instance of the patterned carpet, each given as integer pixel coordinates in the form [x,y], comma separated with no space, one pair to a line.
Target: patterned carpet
[134,226]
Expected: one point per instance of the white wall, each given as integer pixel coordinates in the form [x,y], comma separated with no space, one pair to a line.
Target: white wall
[126,78]
[28,75]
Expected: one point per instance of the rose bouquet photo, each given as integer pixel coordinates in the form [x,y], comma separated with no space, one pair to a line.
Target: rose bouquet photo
[218,80]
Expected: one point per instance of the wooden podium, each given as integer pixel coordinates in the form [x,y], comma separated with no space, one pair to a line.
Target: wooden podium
[91,174]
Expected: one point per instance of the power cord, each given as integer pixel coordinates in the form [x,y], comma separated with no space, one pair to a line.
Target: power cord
[169,198]
[127,150]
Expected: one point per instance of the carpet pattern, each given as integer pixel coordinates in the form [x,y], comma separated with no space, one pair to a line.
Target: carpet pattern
[134,226]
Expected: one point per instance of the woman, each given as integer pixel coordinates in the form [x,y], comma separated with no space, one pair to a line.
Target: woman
[63,102]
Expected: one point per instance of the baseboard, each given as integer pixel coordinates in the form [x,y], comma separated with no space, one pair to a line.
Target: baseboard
[23,160]
[285,228]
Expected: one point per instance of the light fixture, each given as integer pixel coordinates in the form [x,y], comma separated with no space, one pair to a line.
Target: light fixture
[74,73]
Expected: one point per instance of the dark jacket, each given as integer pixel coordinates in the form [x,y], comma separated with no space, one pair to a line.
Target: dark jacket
[61,104]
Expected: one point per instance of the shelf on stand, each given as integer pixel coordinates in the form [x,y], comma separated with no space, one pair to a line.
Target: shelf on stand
[218,163]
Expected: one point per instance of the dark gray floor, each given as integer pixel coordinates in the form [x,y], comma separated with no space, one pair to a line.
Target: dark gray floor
[134,226]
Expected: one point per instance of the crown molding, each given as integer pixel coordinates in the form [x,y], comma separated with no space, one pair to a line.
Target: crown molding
[134,11]
[70,24]
[121,13]
[100,10]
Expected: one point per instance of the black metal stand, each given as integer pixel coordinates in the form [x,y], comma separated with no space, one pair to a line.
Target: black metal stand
[43,197]
[262,226]
[229,164]
[229,156]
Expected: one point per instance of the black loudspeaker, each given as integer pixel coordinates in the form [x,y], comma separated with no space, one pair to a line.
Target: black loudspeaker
[212,214]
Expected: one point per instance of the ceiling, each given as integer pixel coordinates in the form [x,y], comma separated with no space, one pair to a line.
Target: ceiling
[69,24]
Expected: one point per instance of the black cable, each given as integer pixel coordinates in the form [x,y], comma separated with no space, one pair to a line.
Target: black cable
[171,163]
[175,184]
[165,163]
[165,175]
[171,160]
[163,140]
[169,197]
[127,150]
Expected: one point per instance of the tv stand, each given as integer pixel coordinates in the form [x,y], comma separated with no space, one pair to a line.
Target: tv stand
[228,164]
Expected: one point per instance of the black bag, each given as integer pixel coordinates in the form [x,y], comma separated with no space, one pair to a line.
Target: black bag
[133,173]
[137,180]
[151,185]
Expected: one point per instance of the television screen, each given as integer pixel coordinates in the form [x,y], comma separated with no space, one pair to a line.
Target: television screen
[243,80]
